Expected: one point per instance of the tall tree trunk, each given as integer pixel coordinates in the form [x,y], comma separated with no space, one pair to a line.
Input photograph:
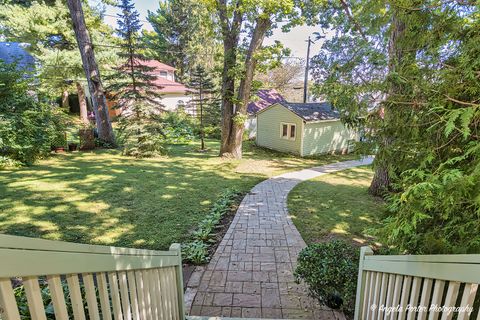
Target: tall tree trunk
[232,145]
[82,103]
[381,180]
[65,102]
[231,36]
[228,96]
[102,119]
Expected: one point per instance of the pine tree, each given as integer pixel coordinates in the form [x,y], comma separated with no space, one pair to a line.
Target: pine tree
[204,96]
[184,36]
[132,86]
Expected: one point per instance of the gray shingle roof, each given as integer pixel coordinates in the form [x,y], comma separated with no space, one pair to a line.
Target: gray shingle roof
[313,111]
[14,52]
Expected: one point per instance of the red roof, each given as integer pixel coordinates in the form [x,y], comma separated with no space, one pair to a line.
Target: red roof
[155,64]
[169,86]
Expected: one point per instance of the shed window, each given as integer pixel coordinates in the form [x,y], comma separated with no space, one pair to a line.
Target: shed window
[284,130]
[287,131]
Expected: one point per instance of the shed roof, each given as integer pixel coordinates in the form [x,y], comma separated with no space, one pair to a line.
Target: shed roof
[266,97]
[316,111]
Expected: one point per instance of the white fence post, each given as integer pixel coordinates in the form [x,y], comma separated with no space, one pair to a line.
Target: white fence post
[364,251]
[181,301]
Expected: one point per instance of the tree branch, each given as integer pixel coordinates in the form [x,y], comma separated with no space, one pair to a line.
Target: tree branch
[350,16]
[462,102]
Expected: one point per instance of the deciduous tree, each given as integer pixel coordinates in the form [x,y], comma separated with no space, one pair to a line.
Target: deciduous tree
[258,19]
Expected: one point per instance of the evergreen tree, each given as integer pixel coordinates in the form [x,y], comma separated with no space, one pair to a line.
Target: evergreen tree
[47,29]
[183,36]
[204,96]
[133,88]
[416,64]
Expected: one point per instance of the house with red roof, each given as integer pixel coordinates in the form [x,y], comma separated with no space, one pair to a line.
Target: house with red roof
[174,94]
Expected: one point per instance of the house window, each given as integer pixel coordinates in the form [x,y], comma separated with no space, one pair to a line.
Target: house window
[288,131]
[163,74]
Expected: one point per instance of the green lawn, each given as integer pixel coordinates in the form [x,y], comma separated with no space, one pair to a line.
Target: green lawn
[103,197]
[335,205]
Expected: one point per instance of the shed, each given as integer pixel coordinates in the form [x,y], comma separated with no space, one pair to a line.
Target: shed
[303,128]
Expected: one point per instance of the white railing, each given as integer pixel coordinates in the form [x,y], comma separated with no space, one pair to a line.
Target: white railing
[417,287]
[90,282]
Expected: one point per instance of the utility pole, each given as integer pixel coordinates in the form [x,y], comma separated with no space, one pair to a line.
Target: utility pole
[307,67]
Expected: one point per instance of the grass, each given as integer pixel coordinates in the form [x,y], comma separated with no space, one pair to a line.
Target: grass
[102,197]
[335,205]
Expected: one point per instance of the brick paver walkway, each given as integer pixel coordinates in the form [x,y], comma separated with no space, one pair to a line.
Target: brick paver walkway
[251,273]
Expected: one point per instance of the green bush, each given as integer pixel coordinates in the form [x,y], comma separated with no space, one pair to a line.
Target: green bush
[27,126]
[330,271]
[22,303]
[146,134]
[178,128]
[213,132]
[6,162]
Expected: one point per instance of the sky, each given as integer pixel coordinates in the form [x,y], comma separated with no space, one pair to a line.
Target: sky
[295,39]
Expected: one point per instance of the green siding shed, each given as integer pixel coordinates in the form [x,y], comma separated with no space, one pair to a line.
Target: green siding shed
[303,129]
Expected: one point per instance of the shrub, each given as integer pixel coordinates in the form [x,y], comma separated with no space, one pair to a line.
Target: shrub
[178,128]
[22,303]
[146,134]
[214,132]
[6,162]
[330,271]
[27,126]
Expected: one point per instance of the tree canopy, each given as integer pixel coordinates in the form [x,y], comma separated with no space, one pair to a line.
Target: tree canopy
[407,73]
[46,27]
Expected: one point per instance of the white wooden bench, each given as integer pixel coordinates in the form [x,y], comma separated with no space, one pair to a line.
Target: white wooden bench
[119,283]
[128,283]
[417,286]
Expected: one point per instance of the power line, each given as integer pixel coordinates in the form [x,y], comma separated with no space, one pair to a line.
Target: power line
[121,46]
[118,46]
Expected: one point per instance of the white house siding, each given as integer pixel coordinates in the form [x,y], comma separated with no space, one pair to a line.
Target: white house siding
[171,101]
[269,126]
[326,137]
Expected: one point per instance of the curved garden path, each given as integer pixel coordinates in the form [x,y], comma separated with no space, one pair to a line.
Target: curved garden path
[251,273]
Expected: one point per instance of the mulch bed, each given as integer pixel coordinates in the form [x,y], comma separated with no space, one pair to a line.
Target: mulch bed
[220,231]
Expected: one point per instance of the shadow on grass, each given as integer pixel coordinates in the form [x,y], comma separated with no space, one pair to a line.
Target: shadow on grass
[104,198]
[336,206]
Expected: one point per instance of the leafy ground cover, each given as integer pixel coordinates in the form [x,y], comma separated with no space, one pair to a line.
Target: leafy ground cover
[336,205]
[102,197]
